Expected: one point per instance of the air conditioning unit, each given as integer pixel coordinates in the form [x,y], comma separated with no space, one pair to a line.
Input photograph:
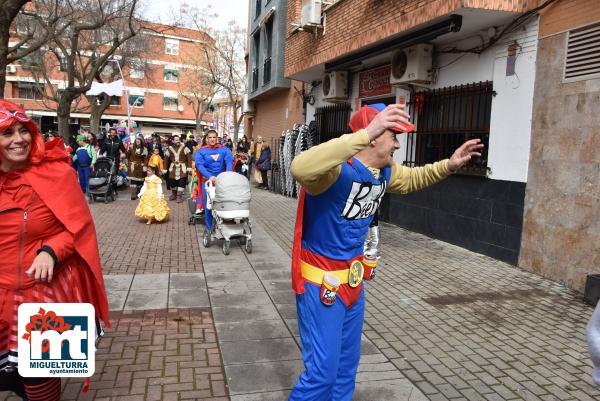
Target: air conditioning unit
[311,12]
[335,86]
[11,69]
[412,65]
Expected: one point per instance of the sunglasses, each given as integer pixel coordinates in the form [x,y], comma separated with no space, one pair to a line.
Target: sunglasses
[17,115]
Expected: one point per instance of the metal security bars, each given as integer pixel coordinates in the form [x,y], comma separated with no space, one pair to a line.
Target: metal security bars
[332,121]
[445,118]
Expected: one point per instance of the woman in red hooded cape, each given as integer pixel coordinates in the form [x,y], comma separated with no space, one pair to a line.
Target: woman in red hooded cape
[48,244]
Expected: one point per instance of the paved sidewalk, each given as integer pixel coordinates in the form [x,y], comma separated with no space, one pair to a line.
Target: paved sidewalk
[255,316]
[162,345]
[463,326]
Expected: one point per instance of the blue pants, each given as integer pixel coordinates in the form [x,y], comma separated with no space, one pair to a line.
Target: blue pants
[330,338]
[84,177]
[208,219]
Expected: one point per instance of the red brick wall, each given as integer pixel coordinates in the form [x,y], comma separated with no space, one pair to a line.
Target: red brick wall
[353,24]
[270,120]
[153,102]
[568,14]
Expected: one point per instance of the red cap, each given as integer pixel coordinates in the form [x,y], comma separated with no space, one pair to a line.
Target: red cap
[366,114]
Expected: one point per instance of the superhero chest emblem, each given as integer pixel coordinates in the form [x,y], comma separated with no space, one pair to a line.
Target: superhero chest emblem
[215,157]
[363,201]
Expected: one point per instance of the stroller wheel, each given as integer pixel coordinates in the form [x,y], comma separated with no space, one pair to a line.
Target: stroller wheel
[248,245]
[206,239]
[226,245]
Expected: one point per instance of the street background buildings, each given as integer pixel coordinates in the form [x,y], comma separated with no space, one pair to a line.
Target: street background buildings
[160,106]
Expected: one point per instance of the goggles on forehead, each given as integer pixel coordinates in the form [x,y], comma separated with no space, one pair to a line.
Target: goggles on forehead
[17,115]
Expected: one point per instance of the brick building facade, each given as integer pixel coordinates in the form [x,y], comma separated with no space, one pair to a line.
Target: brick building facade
[561,231]
[172,53]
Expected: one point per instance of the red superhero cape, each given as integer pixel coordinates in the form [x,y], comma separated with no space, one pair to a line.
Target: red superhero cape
[56,184]
[297,280]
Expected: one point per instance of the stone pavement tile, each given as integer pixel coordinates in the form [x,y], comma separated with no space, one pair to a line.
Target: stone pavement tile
[385,390]
[188,298]
[263,377]
[240,299]
[150,281]
[116,299]
[252,330]
[186,281]
[226,314]
[147,299]
[270,396]
[256,351]
[117,282]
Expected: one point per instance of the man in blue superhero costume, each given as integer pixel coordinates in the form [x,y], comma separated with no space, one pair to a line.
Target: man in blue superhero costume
[211,160]
[343,182]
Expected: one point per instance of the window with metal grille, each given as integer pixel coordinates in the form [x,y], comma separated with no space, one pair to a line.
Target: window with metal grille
[29,90]
[332,121]
[445,119]
[582,60]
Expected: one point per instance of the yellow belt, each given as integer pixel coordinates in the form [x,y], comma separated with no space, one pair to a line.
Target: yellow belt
[314,274]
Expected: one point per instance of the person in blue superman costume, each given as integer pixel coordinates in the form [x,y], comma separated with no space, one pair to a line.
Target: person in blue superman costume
[211,159]
[343,182]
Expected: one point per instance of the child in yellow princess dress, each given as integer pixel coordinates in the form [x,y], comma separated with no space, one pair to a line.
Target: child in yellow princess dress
[153,204]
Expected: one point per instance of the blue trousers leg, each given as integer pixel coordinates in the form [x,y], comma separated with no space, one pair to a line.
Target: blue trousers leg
[350,355]
[327,347]
[84,178]
[207,213]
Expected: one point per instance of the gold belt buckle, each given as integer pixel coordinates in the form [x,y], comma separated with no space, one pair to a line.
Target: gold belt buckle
[355,274]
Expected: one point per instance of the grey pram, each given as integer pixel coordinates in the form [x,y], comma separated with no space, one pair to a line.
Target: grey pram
[229,203]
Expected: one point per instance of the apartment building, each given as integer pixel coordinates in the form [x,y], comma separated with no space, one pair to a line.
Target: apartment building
[154,91]
[274,103]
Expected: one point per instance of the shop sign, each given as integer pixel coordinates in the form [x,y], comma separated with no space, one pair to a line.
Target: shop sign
[374,82]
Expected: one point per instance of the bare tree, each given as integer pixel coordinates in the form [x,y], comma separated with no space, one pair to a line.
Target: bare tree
[197,87]
[224,59]
[227,67]
[16,15]
[80,48]
[132,56]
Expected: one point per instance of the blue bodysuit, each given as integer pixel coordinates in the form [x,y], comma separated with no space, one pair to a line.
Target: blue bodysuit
[211,162]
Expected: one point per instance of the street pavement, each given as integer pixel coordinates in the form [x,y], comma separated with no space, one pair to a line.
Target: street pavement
[463,326]
[441,323]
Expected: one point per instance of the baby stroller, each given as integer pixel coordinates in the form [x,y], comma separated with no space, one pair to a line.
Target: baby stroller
[102,180]
[229,203]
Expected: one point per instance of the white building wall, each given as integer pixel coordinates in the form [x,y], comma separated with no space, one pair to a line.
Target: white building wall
[511,114]
[510,126]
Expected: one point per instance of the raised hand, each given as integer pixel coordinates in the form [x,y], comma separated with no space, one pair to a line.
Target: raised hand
[463,154]
[387,119]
